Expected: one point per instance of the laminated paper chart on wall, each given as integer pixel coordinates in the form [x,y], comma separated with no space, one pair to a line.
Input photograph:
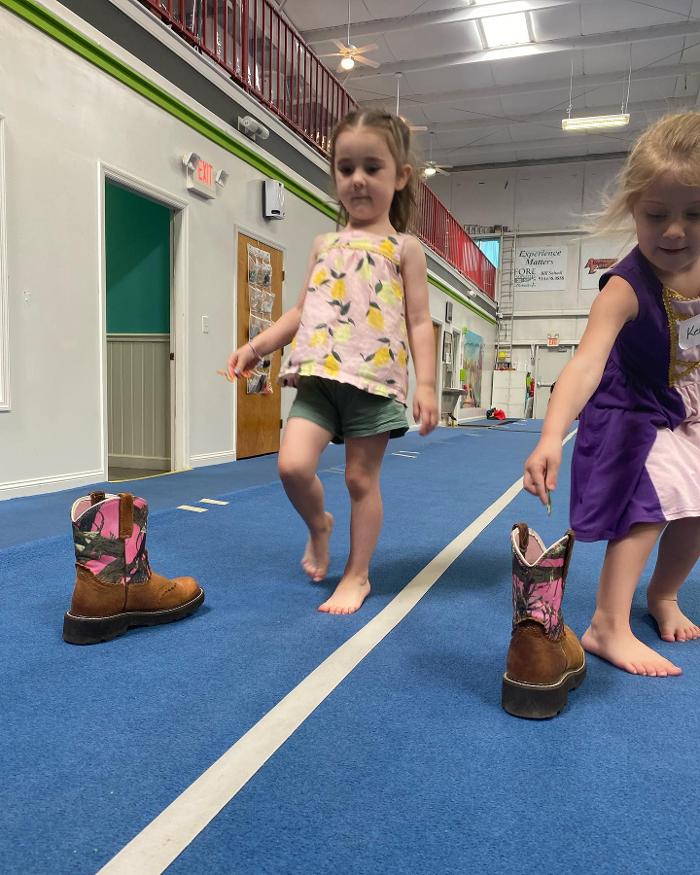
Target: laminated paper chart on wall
[261,299]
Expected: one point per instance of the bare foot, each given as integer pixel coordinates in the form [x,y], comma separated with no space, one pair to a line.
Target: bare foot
[348,596]
[623,649]
[316,559]
[672,622]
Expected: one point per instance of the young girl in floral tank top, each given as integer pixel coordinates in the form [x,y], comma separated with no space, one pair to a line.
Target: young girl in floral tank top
[363,308]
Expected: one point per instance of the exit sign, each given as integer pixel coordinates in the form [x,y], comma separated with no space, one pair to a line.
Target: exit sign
[201,176]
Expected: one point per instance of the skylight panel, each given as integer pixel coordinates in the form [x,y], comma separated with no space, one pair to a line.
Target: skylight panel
[505,30]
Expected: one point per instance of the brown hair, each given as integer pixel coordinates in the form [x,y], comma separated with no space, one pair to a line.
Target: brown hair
[398,138]
[672,144]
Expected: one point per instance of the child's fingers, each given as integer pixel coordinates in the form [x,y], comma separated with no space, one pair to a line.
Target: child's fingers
[534,480]
[427,418]
[552,474]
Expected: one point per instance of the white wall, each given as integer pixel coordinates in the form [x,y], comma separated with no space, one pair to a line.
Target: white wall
[540,198]
[64,121]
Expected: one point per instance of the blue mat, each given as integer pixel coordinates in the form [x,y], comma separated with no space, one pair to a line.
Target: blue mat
[410,765]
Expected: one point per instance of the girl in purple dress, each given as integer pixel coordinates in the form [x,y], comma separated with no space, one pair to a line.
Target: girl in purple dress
[635,379]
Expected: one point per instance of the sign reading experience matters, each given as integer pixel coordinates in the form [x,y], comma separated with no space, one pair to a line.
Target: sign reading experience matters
[541,267]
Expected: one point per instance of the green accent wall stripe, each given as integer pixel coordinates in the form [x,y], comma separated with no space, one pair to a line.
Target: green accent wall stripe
[55,27]
[434,281]
[52,25]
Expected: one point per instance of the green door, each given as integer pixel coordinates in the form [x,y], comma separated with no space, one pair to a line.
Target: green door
[139,280]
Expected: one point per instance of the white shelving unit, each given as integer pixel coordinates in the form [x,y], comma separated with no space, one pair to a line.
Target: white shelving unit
[509,393]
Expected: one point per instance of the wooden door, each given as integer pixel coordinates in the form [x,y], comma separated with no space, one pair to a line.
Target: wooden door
[258,417]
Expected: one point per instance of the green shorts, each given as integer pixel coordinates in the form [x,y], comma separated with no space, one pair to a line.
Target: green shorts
[347,412]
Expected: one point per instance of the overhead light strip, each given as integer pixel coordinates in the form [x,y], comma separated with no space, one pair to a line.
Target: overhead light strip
[596,122]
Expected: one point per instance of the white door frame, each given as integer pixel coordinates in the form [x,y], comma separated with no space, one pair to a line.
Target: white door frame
[179,414]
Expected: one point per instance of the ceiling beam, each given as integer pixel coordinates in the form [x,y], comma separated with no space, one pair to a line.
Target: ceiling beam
[493,92]
[553,119]
[567,44]
[457,156]
[425,19]
[532,162]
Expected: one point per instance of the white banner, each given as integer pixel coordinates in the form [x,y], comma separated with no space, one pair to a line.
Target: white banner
[598,254]
[541,267]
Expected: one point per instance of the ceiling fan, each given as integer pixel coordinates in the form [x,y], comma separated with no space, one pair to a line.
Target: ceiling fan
[430,168]
[410,126]
[350,54]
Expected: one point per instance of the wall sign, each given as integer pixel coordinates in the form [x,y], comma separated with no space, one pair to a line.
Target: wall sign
[598,255]
[202,177]
[542,268]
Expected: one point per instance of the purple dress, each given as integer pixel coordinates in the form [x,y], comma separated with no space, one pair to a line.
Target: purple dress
[637,452]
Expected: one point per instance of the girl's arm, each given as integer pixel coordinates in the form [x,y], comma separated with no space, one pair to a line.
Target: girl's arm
[612,309]
[420,333]
[279,334]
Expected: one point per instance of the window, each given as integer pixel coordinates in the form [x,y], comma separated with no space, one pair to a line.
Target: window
[490,248]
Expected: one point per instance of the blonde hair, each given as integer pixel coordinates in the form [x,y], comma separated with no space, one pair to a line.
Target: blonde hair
[672,144]
[397,136]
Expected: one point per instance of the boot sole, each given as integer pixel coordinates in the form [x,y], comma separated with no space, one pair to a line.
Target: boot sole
[539,701]
[93,630]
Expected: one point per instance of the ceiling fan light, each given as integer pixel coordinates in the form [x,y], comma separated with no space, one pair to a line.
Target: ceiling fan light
[429,171]
[347,63]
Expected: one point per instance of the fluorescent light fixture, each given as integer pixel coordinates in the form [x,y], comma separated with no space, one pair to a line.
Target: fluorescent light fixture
[347,63]
[596,122]
[505,30]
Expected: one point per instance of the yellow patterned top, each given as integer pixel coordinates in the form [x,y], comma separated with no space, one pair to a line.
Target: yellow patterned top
[353,324]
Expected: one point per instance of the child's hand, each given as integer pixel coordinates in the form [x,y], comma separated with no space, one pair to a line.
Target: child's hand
[425,408]
[542,468]
[241,362]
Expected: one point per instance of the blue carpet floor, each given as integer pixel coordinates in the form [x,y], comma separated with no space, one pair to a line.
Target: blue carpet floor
[409,766]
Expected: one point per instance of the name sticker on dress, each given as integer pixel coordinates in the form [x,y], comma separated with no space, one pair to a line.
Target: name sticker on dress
[689,333]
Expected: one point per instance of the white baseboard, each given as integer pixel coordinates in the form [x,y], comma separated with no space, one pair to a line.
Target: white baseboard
[150,463]
[38,485]
[202,459]
[466,413]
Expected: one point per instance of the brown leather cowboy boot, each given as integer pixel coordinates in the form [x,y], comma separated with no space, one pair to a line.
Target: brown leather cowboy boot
[115,587]
[545,658]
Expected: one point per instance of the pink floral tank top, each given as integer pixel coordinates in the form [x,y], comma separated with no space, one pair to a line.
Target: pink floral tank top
[353,324]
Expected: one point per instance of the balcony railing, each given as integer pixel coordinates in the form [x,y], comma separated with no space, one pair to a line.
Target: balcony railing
[261,52]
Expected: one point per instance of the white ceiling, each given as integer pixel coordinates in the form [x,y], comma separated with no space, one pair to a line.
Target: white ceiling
[482,110]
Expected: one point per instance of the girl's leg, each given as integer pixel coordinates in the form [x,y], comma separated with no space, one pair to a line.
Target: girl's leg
[679,550]
[363,461]
[609,635]
[302,444]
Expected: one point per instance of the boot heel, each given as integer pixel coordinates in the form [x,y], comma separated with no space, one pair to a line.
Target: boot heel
[531,701]
[89,630]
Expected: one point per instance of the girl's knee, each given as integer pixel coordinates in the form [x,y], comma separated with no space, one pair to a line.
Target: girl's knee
[294,471]
[359,482]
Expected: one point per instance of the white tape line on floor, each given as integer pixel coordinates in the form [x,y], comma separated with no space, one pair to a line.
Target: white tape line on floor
[167,836]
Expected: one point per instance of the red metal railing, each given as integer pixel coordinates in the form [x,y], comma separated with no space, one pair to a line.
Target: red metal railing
[264,54]
[439,229]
